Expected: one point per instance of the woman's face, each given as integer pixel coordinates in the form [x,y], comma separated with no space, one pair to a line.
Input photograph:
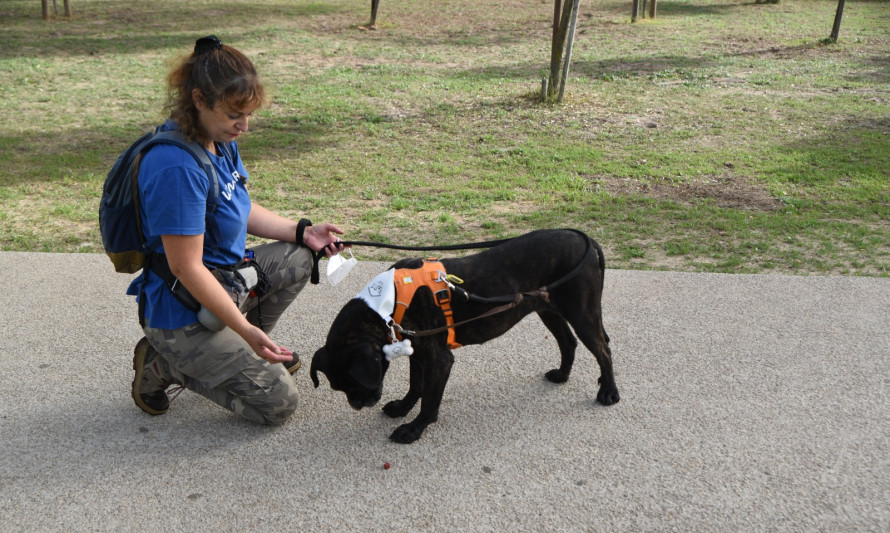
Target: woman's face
[221,123]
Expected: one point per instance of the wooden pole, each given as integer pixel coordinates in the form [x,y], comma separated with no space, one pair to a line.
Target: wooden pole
[556,13]
[568,58]
[558,45]
[45,6]
[374,5]
[836,29]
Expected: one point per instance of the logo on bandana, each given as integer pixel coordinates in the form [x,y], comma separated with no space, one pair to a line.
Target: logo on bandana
[380,294]
[375,289]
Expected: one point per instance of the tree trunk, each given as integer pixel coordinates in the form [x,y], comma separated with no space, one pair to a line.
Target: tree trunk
[45,6]
[556,14]
[559,43]
[836,29]
[565,15]
[568,58]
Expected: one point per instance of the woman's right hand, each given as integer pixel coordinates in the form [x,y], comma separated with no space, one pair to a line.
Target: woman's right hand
[264,347]
[184,253]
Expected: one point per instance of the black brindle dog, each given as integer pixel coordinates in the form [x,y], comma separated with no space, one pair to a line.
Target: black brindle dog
[567,262]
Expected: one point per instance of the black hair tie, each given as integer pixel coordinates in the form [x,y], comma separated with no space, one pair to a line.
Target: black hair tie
[207,44]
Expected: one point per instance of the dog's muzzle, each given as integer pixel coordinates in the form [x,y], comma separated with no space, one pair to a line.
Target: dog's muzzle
[359,403]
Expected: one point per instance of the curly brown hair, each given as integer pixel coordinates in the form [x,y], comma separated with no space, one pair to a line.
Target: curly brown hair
[222,74]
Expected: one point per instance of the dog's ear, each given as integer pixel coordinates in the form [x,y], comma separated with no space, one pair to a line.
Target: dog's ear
[366,369]
[319,364]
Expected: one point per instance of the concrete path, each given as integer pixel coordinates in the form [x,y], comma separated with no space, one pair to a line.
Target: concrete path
[748,403]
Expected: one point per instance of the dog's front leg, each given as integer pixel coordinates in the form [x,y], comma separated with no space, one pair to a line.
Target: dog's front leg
[400,408]
[433,371]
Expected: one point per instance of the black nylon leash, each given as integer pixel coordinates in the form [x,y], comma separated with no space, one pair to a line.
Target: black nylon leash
[511,301]
[465,246]
[508,302]
[316,256]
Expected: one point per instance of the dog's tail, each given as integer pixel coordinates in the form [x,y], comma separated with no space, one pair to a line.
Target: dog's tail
[599,252]
[602,265]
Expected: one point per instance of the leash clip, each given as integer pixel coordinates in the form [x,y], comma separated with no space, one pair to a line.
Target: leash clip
[396,347]
[397,329]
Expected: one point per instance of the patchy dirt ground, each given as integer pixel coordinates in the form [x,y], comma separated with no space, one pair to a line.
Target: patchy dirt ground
[728,191]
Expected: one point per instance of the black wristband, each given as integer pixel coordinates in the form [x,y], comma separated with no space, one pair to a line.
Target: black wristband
[301,229]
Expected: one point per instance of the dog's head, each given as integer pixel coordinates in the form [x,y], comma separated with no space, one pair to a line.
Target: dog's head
[352,357]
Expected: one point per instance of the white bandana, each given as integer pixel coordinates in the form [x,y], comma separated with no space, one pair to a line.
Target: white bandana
[380,295]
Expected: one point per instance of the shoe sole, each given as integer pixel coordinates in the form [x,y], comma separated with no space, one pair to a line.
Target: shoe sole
[139,367]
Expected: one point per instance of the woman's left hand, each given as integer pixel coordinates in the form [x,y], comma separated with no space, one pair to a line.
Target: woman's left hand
[323,237]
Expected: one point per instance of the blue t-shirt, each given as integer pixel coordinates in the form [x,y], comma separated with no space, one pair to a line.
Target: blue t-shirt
[173,190]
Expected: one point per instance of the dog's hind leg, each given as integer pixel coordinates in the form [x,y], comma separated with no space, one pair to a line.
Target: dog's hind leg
[596,340]
[567,345]
[580,302]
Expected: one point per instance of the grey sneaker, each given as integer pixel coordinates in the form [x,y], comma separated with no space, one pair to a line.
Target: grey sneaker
[151,380]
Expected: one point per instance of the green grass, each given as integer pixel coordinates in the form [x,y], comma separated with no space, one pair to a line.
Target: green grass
[721,137]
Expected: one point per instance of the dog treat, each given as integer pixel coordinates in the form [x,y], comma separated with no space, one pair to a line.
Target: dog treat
[386,466]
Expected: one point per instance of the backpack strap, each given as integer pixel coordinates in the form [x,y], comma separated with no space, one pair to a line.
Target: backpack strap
[158,262]
[226,149]
[197,151]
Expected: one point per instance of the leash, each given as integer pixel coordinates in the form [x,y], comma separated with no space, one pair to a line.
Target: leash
[466,246]
[500,309]
[511,301]
[508,302]
[316,256]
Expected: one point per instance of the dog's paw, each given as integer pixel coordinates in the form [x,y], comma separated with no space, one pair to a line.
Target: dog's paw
[607,397]
[556,376]
[396,409]
[406,433]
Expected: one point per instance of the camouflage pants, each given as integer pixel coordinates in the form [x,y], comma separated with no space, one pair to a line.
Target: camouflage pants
[220,365]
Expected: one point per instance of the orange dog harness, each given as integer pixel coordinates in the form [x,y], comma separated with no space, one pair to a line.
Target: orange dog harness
[432,275]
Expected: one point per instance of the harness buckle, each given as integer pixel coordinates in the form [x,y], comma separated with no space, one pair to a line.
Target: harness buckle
[443,297]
